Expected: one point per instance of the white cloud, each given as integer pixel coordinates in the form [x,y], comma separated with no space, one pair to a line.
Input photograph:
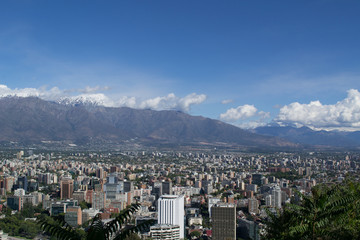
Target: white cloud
[127,102]
[94,95]
[344,114]
[191,99]
[48,94]
[241,112]
[252,124]
[245,116]
[226,101]
[173,102]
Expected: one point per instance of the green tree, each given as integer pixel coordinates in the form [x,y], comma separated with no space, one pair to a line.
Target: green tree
[27,210]
[328,213]
[84,205]
[195,235]
[97,230]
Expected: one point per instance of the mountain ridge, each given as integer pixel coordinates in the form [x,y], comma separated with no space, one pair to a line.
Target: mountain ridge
[32,119]
[307,136]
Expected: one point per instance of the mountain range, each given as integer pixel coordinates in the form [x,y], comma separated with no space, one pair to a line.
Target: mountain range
[308,137]
[33,120]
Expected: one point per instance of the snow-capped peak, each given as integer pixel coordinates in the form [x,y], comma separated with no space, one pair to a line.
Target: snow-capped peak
[97,99]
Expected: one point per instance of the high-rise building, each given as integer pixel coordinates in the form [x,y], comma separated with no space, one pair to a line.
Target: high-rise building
[268,201]
[100,173]
[14,202]
[256,178]
[9,182]
[66,188]
[79,195]
[73,216]
[157,190]
[224,221]
[19,192]
[252,187]
[167,187]
[113,187]
[171,211]
[301,171]
[23,183]
[128,186]
[253,206]
[276,197]
[207,186]
[98,200]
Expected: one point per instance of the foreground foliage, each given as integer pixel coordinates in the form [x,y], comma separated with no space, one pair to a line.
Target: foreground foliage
[16,225]
[328,213]
[97,230]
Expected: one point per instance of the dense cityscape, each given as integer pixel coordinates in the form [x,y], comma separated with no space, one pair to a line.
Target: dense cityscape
[174,120]
[192,195]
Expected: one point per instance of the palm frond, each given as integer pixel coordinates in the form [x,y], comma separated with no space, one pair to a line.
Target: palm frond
[115,225]
[96,229]
[58,228]
[134,229]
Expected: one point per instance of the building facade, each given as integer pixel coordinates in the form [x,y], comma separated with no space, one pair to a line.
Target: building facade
[171,211]
[66,188]
[224,221]
[165,232]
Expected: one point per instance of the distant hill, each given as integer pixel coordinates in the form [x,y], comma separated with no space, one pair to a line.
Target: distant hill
[307,136]
[34,120]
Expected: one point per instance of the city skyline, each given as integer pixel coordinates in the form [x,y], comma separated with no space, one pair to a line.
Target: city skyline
[247,64]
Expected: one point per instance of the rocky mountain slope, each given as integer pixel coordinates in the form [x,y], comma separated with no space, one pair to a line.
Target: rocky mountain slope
[35,120]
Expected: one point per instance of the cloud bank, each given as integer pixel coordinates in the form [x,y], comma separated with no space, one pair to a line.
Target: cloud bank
[93,95]
[248,114]
[241,112]
[344,115]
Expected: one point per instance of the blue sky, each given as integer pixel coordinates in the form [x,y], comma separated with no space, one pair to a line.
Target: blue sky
[260,56]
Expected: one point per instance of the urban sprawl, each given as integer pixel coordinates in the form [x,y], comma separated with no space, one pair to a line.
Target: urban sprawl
[188,195]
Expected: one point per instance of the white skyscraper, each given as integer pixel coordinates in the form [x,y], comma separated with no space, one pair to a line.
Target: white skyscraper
[276,197]
[171,211]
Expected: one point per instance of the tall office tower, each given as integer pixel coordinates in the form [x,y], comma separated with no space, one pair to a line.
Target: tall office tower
[157,190]
[9,183]
[256,178]
[207,186]
[128,186]
[171,211]
[276,197]
[308,171]
[113,187]
[98,200]
[66,188]
[253,206]
[47,178]
[23,183]
[167,187]
[100,173]
[268,201]
[224,221]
